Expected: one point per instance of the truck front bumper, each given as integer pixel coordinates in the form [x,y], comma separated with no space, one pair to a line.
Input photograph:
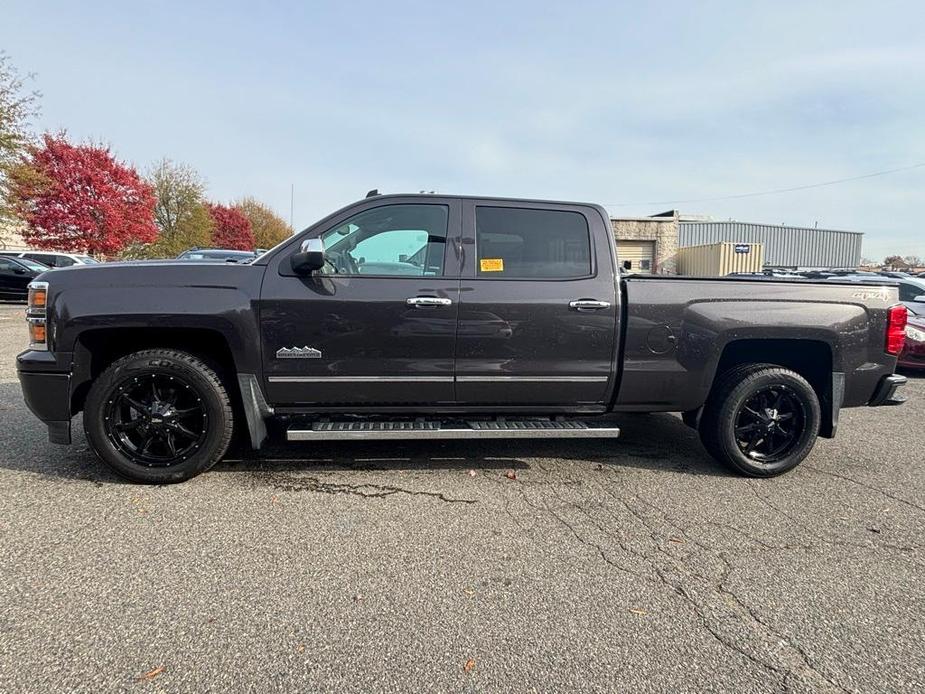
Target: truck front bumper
[47,393]
[886,391]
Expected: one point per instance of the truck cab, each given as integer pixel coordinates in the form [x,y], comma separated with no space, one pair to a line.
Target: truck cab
[441,303]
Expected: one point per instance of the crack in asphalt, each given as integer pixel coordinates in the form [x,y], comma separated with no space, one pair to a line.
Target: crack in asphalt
[717,608]
[888,495]
[366,490]
[832,542]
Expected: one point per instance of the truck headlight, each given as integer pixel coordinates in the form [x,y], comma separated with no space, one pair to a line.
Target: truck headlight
[915,334]
[36,315]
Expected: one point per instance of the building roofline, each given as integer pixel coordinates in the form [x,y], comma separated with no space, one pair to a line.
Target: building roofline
[773,226]
[661,220]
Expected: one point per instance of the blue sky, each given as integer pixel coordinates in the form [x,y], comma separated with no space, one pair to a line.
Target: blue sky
[613,102]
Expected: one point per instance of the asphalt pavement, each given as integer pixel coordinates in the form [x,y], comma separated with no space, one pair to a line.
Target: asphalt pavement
[635,565]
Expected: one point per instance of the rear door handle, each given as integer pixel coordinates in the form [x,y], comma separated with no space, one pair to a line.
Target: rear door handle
[588,304]
[428,301]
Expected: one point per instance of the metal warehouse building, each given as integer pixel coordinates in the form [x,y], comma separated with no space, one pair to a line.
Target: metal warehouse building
[650,244]
[793,247]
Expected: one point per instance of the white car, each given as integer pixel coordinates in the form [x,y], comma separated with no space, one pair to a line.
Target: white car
[53,258]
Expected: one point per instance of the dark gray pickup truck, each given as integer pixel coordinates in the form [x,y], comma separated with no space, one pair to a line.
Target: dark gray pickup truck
[436,317]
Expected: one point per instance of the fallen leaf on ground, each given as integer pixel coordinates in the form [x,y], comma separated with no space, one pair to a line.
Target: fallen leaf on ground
[150,674]
[472,473]
[511,475]
[638,611]
[469,666]
[676,540]
[300,647]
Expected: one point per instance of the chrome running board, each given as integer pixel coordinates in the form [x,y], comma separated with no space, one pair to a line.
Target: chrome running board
[449,429]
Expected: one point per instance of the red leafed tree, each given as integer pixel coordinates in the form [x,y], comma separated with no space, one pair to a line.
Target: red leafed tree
[232,228]
[79,198]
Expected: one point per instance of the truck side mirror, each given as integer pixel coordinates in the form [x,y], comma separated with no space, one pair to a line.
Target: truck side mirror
[308,258]
[920,299]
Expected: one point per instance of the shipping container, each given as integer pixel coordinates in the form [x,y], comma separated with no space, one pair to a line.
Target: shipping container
[794,247]
[720,259]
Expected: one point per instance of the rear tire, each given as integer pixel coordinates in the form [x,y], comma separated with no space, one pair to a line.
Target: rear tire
[761,419]
[159,416]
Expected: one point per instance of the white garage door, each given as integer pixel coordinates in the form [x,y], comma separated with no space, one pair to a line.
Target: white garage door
[639,254]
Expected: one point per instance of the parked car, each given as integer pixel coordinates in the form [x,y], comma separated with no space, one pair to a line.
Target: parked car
[913,354]
[767,274]
[54,258]
[442,317]
[894,274]
[15,276]
[217,255]
[911,289]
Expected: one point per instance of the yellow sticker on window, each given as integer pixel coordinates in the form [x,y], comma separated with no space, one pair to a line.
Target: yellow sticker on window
[491,265]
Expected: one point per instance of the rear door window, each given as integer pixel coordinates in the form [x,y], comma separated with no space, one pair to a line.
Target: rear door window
[516,243]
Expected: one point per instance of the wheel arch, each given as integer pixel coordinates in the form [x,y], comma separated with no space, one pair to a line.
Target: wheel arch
[97,348]
[812,359]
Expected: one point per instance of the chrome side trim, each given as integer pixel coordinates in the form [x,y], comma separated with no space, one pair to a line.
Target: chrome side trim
[533,379]
[436,379]
[590,433]
[360,379]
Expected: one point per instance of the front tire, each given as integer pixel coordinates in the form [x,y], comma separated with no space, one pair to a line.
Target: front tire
[761,420]
[159,416]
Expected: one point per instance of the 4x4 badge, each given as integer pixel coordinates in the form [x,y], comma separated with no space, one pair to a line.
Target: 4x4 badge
[298,353]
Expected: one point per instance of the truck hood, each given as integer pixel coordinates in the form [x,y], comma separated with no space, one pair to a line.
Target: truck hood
[153,273]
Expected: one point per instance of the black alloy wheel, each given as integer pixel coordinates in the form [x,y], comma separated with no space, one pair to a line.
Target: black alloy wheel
[156,420]
[769,424]
[159,416]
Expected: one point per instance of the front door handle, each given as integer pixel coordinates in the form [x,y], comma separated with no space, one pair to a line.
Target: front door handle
[428,301]
[588,304]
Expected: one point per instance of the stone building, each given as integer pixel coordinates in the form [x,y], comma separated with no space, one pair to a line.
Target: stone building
[648,244]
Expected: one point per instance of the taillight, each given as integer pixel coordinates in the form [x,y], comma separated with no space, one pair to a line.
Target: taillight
[35,315]
[896,329]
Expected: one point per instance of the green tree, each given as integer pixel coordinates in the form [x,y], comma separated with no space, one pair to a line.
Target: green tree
[17,107]
[182,218]
[267,226]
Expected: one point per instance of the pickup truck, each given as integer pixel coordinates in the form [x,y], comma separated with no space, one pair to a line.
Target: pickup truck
[440,317]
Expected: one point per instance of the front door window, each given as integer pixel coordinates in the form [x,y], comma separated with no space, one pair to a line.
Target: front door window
[389,241]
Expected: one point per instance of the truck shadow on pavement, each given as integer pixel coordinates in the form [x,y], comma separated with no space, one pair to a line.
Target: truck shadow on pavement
[658,442]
